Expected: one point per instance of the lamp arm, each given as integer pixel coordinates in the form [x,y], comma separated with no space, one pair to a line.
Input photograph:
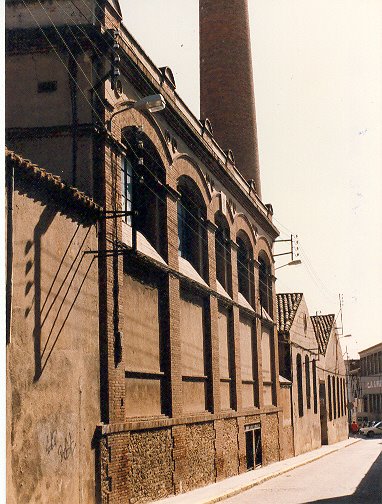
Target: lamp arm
[123,109]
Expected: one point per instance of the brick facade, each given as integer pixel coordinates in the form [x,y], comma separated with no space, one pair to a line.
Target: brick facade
[163,425]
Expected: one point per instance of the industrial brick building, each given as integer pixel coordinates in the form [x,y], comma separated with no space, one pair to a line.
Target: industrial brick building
[178,332]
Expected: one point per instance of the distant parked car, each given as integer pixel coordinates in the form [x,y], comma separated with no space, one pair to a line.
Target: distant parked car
[372,431]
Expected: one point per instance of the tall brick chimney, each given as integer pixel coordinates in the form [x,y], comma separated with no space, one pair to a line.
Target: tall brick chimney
[226,81]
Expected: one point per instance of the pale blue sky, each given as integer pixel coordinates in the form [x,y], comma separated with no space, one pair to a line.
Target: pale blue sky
[318,82]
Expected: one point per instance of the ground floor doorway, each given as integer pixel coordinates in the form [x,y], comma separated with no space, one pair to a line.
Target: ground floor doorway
[253,446]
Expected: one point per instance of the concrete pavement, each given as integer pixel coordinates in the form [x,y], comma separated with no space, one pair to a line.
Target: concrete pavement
[229,487]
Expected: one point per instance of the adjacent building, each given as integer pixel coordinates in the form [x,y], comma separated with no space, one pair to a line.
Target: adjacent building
[354,397]
[53,359]
[370,407]
[332,380]
[298,360]
[310,357]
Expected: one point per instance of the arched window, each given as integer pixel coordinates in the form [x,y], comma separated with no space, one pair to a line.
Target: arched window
[245,267]
[142,188]
[307,381]
[330,397]
[314,377]
[335,397]
[299,386]
[192,238]
[223,253]
[265,285]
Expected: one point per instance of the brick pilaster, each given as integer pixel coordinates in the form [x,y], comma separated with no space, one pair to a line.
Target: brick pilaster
[213,321]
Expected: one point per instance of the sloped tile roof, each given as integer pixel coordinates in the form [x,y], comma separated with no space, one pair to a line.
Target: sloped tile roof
[52,183]
[323,325]
[287,305]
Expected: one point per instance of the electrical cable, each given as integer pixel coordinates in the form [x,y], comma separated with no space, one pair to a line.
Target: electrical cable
[95,112]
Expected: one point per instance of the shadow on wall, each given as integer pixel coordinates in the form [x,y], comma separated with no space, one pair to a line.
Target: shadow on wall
[369,491]
[52,300]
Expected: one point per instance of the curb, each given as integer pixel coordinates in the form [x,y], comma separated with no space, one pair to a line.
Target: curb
[248,486]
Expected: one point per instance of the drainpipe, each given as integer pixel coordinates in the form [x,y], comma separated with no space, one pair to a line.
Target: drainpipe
[73,71]
[10,184]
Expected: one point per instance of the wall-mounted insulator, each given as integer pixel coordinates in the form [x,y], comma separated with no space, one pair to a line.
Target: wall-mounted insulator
[295,247]
[115,71]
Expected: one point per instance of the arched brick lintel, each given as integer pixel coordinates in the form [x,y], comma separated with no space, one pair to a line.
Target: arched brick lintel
[264,249]
[150,127]
[242,223]
[184,165]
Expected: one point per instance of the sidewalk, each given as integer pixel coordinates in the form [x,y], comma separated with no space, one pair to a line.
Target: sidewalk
[217,492]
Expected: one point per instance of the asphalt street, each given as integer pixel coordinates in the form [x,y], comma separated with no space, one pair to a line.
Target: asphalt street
[352,475]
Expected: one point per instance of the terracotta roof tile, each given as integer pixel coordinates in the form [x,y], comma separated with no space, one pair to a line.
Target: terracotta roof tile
[53,183]
[287,305]
[323,325]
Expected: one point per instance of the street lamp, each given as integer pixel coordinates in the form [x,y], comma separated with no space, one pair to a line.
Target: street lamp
[295,262]
[151,103]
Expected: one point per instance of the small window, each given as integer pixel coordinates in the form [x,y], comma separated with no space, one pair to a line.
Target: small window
[334,397]
[126,189]
[47,87]
[314,377]
[307,381]
[330,397]
[299,386]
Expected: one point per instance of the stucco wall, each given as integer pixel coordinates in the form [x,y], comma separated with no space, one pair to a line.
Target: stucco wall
[286,424]
[334,365]
[52,357]
[36,112]
[307,431]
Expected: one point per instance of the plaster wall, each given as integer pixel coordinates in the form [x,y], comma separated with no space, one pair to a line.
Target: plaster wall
[44,13]
[27,107]
[307,431]
[39,124]
[333,364]
[52,356]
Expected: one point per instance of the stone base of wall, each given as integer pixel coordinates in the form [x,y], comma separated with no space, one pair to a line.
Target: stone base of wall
[270,438]
[286,446]
[145,465]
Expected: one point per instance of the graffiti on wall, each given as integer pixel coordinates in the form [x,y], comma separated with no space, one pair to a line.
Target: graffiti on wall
[62,445]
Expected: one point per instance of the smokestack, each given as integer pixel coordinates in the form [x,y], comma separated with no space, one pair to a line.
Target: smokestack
[226,81]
